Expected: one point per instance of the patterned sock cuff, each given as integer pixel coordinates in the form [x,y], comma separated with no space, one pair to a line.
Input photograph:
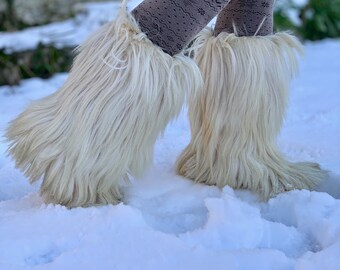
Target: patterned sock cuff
[246,18]
[172,24]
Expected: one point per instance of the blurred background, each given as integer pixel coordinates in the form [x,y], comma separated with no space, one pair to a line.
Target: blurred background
[33,44]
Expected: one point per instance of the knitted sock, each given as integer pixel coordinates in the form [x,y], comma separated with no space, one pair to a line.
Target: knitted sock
[246,18]
[172,24]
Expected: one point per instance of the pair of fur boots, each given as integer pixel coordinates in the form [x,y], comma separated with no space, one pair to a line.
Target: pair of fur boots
[100,127]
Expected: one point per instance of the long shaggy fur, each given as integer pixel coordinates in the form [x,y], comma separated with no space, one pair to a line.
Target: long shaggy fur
[235,121]
[102,124]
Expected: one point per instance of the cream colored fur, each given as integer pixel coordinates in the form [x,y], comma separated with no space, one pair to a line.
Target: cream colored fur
[102,124]
[236,120]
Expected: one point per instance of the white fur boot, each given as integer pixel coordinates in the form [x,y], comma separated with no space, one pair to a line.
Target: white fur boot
[235,121]
[102,124]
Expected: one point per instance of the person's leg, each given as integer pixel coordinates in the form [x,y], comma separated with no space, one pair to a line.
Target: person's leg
[172,24]
[246,18]
[235,121]
[127,82]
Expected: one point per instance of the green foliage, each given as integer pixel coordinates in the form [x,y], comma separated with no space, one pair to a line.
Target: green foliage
[317,19]
[42,62]
[282,20]
[321,19]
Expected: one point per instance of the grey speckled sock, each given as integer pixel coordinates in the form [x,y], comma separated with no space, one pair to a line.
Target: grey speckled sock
[246,18]
[172,24]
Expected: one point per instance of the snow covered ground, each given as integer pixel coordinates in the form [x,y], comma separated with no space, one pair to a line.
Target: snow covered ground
[166,221]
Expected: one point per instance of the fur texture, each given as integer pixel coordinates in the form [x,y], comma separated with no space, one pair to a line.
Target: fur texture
[102,124]
[236,119]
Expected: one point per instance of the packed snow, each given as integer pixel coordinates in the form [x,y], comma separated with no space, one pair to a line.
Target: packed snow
[168,222]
